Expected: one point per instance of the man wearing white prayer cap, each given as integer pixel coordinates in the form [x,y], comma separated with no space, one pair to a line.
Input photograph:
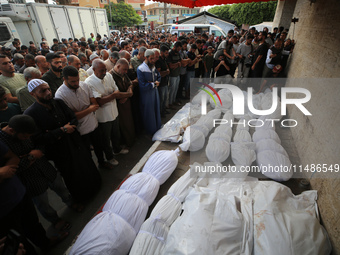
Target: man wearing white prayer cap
[92,58]
[32,84]
[149,79]
[57,132]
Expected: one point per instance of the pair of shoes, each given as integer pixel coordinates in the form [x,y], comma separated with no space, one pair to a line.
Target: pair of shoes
[122,151]
[106,165]
[114,162]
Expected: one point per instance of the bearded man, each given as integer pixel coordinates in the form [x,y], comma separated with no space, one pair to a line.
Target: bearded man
[149,79]
[53,77]
[126,122]
[57,132]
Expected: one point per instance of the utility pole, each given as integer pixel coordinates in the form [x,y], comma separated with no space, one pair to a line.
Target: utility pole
[111,14]
[165,14]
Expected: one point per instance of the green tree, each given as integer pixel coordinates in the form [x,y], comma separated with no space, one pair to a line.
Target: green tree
[221,11]
[246,13]
[122,15]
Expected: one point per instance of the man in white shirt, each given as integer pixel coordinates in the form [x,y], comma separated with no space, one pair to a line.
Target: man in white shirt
[92,58]
[105,91]
[274,57]
[79,98]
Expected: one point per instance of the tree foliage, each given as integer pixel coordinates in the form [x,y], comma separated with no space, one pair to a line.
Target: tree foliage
[122,15]
[246,13]
[221,11]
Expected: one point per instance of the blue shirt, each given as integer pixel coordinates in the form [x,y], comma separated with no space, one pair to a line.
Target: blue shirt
[135,52]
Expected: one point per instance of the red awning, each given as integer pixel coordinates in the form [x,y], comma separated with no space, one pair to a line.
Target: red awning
[200,3]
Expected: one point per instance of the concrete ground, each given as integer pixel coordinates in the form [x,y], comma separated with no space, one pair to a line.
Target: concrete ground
[111,180]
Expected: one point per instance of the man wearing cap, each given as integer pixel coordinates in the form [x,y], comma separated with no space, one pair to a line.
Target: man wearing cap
[53,77]
[92,58]
[56,124]
[106,92]
[10,80]
[149,79]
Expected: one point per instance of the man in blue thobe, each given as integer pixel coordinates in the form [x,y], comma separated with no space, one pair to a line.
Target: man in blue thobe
[149,79]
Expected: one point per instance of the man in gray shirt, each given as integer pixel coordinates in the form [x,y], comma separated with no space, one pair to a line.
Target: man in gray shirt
[243,52]
[174,62]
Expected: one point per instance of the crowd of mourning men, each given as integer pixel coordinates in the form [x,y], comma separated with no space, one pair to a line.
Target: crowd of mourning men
[59,101]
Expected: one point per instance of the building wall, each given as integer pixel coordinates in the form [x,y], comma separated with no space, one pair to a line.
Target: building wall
[89,3]
[93,3]
[155,12]
[317,55]
[284,13]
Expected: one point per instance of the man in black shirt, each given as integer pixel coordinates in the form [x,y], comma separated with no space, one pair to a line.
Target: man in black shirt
[56,124]
[163,69]
[260,56]
[53,77]
[17,209]
[191,65]
[34,171]
[199,67]
[221,69]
